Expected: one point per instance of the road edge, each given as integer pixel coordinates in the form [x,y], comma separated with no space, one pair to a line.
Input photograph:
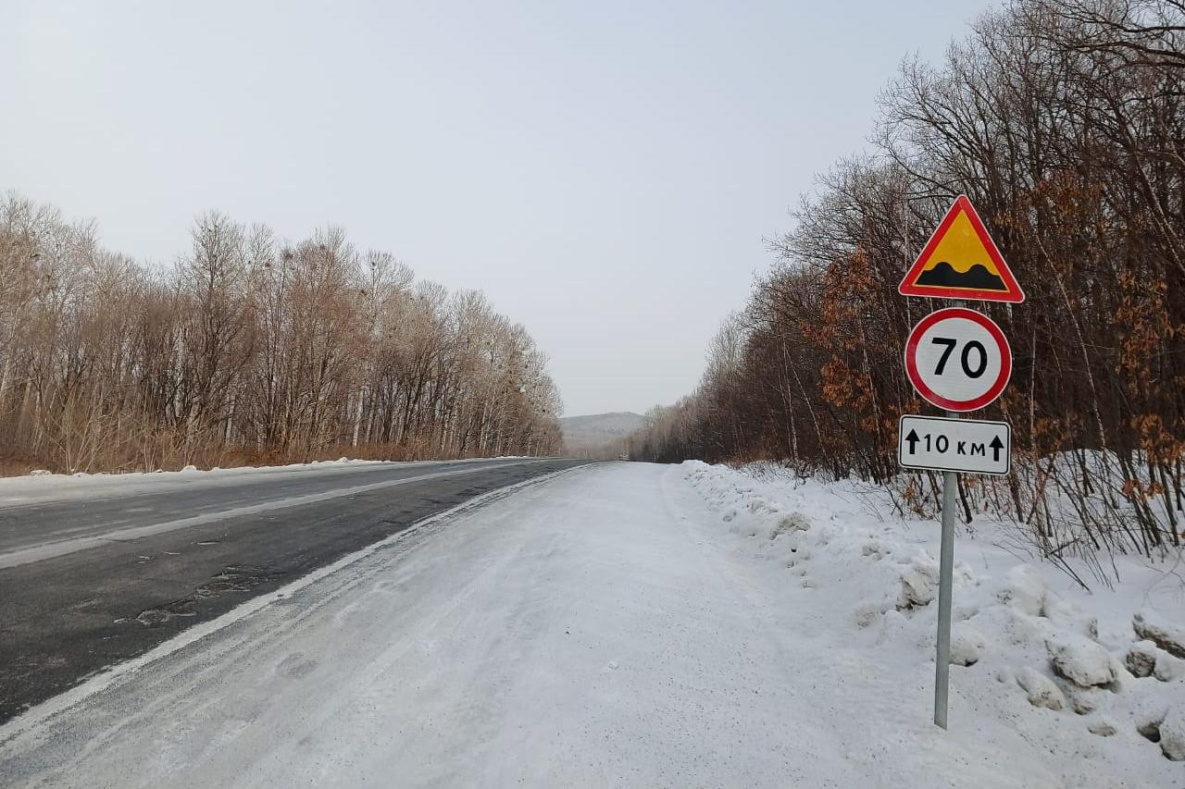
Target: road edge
[109,677]
[67,546]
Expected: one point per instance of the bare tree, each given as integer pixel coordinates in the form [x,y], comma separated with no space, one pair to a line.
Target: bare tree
[249,350]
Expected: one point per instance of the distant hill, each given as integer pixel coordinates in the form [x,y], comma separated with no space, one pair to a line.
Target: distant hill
[599,434]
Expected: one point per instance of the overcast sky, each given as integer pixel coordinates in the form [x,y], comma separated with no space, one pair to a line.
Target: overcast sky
[605,171]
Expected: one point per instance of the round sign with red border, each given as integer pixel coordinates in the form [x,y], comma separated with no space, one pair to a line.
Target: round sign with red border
[958,359]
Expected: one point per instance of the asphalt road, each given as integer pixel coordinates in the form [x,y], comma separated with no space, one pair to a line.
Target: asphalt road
[97,572]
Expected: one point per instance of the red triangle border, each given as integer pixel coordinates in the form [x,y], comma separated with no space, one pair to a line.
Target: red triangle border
[909,286]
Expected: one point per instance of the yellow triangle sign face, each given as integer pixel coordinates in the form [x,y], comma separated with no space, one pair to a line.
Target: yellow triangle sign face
[960,261]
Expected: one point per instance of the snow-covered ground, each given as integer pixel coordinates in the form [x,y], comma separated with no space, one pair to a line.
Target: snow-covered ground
[1047,696]
[635,625]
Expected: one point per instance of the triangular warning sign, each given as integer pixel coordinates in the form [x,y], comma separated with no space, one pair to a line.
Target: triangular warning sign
[960,261]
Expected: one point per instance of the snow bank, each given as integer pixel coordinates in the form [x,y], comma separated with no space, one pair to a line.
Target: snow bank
[1041,690]
[42,485]
[1166,636]
[1172,734]
[39,479]
[1082,661]
[1093,680]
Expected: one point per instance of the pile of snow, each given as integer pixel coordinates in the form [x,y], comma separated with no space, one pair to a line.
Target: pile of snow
[1096,679]
[40,485]
[190,469]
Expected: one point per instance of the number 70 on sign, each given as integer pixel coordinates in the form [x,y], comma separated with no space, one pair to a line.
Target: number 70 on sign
[958,359]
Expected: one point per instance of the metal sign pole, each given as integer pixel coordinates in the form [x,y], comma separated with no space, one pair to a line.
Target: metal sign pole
[950,484]
[980,372]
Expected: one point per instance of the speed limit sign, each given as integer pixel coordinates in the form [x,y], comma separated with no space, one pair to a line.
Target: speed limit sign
[958,359]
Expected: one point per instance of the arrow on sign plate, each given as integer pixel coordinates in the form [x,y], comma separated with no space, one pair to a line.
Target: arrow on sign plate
[962,445]
[997,445]
[913,440]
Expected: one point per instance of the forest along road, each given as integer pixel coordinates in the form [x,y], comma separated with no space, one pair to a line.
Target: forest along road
[96,570]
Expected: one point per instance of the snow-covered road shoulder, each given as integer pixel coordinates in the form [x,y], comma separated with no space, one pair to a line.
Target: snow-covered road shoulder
[639,626]
[1092,683]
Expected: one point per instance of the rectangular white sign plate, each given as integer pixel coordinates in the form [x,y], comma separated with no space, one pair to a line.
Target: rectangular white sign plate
[970,446]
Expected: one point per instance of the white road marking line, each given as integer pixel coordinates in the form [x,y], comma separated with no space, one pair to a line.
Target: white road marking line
[63,702]
[50,550]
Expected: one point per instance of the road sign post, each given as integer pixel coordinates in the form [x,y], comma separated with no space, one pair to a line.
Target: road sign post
[958,360]
[950,483]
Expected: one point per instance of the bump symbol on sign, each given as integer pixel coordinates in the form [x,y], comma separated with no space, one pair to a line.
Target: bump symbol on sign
[961,261]
[959,360]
